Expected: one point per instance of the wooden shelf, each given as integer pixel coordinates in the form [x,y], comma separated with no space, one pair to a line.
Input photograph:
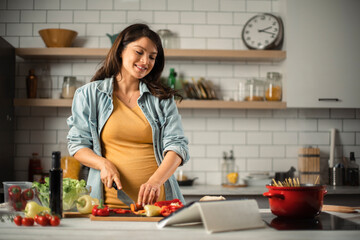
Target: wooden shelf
[180,54]
[185,104]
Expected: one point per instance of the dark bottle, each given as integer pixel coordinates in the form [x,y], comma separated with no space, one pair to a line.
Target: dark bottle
[172,78]
[352,171]
[31,84]
[55,175]
[34,168]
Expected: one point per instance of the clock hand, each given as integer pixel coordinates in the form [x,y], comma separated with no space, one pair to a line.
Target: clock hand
[263,30]
[268,32]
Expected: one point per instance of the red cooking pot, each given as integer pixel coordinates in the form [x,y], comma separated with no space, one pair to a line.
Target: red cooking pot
[305,201]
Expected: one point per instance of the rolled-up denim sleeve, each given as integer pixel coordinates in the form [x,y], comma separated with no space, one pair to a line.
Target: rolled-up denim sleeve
[173,136]
[79,135]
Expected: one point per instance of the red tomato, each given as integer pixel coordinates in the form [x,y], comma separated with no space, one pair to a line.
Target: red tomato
[48,216]
[17,220]
[36,218]
[54,221]
[27,221]
[42,220]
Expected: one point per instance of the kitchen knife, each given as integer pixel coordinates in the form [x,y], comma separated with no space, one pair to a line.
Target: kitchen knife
[122,196]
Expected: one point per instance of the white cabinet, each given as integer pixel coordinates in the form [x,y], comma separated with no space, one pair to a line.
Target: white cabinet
[323,53]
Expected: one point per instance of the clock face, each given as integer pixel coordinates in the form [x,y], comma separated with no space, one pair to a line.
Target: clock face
[264,31]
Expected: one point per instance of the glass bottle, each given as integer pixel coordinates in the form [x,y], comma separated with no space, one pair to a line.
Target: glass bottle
[254,89]
[273,87]
[165,36]
[34,169]
[55,185]
[31,84]
[68,87]
[227,167]
[172,78]
[45,84]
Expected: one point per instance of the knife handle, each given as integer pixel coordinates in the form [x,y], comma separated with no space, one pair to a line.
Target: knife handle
[114,186]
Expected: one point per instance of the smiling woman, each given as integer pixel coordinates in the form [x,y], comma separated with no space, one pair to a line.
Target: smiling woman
[125,124]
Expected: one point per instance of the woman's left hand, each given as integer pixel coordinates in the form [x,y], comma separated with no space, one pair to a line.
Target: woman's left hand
[148,193]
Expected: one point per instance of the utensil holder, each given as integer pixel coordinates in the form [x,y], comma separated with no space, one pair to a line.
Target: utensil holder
[309,165]
[336,176]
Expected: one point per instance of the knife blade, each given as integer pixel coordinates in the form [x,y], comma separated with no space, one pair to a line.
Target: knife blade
[122,196]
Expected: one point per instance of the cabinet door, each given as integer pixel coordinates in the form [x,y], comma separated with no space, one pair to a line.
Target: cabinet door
[323,53]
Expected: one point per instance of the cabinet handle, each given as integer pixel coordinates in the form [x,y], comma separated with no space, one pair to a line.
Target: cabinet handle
[329,99]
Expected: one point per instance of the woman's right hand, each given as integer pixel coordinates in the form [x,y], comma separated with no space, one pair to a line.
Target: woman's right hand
[110,174]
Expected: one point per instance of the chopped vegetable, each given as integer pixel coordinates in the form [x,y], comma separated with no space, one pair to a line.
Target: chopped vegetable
[168,207]
[232,177]
[120,210]
[152,210]
[72,190]
[139,212]
[27,194]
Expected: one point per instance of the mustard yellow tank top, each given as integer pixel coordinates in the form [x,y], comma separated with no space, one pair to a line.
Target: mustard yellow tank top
[127,142]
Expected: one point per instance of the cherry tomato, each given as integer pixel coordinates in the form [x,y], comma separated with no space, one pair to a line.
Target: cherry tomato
[17,220]
[27,221]
[42,220]
[36,218]
[54,221]
[48,216]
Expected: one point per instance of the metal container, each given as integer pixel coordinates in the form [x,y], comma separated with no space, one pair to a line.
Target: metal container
[337,175]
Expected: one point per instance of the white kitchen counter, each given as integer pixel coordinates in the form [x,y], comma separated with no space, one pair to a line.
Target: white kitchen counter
[198,190]
[83,228]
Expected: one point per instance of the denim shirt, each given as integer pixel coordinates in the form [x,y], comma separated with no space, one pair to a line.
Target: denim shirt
[92,107]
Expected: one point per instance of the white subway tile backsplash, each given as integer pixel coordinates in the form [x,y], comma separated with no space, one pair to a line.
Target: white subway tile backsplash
[283,165]
[2,4]
[43,111]
[285,113]
[192,17]
[43,136]
[183,5]
[219,43]
[22,136]
[342,113]
[152,5]
[206,164]
[19,29]
[301,125]
[292,151]
[2,29]
[272,124]
[234,113]
[346,138]
[327,124]
[86,16]
[96,4]
[206,5]
[29,123]
[31,42]
[7,16]
[205,113]
[21,164]
[193,70]
[223,124]
[64,112]
[59,16]
[217,151]
[197,151]
[87,69]
[112,16]
[244,124]
[219,18]
[357,138]
[232,138]
[33,16]
[230,31]
[98,29]
[166,17]
[272,151]
[127,5]
[259,138]
[247,71]
[20,4]
[207,31]
[26,150]
[190,124]
[246,151]
[285,138]
[213,178]
[351,125]
[139,17]
[209,137]
[54,123]
[46,4]
[232,5]
[259,165]
[193,43]
[80,28]
[314,113]
[314,138]
[39,26]
[241,18]
[181,30]
[73,4]
[255,113]
[258,6]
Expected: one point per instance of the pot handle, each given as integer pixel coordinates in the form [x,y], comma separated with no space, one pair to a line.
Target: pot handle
[272,195]
[325,191]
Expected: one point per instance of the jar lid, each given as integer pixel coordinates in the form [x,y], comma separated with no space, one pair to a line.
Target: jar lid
[273,75]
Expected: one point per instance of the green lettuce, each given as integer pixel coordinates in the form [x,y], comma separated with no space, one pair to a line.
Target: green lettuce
[72,190]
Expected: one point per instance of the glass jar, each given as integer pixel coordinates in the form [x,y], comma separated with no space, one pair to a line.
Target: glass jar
[254,89]
[165,36]
[273,87]
[68,87]
[71,167]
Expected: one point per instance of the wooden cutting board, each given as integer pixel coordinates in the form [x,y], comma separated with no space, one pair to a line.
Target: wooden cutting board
[342,209]
[126,217]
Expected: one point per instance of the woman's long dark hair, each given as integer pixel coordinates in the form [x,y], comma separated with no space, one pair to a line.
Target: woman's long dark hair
[112,64]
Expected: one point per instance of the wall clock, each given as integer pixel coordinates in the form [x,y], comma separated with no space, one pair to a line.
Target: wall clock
[263,31]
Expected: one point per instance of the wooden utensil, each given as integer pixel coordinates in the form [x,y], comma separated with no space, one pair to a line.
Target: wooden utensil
[342,209]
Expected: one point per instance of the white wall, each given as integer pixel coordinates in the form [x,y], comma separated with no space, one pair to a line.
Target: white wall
[262,140]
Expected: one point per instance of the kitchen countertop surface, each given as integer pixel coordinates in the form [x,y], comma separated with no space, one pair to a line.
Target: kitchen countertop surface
[84,228]
[256,190]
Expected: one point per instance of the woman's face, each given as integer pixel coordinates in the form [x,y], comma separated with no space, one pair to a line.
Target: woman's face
[138,58]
